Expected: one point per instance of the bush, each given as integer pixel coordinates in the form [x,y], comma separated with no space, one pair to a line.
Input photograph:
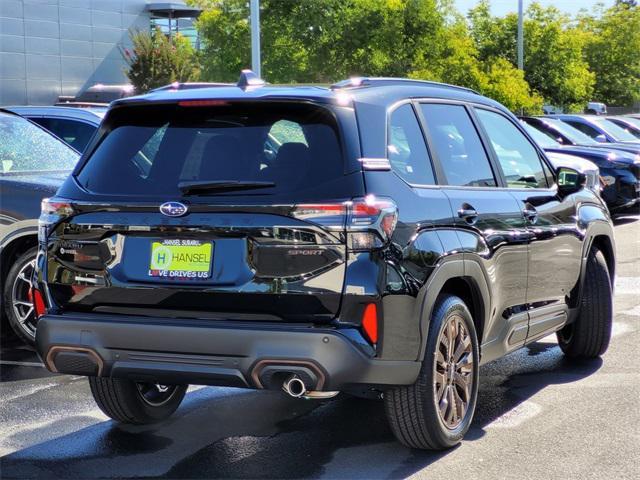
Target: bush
[157,60]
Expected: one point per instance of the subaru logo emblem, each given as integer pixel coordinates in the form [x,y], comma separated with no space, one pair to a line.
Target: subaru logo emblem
[173,209]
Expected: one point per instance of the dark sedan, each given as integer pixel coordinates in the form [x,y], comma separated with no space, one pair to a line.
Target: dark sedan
[599,128]
[620,171]
[630,124]
[568,135]
[33,164]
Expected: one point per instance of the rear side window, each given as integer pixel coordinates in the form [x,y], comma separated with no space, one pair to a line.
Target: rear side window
[518,158]
[406,149]
[584,128]
[75,133]
[155,148]
[459,149]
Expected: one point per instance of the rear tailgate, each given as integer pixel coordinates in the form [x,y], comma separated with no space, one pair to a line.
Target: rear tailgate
[236,253]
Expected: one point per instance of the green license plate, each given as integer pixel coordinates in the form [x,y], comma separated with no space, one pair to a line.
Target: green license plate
[181,259]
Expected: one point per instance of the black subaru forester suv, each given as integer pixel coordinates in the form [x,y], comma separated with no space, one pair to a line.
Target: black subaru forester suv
[382,237]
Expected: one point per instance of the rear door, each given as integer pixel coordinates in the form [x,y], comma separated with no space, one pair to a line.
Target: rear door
[222,212]
[488,219]
[555,244]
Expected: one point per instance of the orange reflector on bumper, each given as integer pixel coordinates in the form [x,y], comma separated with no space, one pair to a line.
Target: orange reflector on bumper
[370,322]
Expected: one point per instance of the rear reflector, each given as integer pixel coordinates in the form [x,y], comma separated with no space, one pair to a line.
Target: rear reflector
[370,322]
[38,302]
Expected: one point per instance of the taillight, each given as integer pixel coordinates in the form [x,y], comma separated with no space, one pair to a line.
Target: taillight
[52,210]
[369,221]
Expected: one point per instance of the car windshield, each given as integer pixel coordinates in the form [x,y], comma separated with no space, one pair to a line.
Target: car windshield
[261,149]
[541,138]
[573,134]
[633,121]
[617,132]
[24,147]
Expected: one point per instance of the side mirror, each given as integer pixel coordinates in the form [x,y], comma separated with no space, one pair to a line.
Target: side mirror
[570,180]
[601,138]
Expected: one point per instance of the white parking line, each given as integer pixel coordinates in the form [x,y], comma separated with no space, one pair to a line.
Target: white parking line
[22,364]
[627,286]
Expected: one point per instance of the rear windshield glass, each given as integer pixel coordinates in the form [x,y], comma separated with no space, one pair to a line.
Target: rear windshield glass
[282,147]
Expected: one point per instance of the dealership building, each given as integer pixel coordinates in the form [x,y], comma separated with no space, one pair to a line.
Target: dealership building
[53,48]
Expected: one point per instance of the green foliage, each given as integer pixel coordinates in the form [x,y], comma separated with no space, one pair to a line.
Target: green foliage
[321,41]
[157,60]
[553,61]
[613,52]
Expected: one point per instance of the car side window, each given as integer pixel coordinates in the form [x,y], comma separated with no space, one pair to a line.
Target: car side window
[518,158]
[74,133]
[458,145]
[406,148]
[584,128]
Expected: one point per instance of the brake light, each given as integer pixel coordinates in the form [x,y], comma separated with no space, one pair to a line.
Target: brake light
[369,221]
[39,305]
[202,103]
[52,210]
[370,322]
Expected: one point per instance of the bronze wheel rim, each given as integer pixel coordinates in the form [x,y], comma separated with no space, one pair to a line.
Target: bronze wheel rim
[453,372]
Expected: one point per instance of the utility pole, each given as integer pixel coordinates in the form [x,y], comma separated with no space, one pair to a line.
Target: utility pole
[520,35]
[255,37]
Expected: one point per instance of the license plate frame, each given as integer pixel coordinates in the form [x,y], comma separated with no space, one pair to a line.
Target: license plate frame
[180,259]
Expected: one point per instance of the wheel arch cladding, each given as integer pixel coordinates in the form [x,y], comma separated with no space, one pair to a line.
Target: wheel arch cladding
[450,279]
[604,244]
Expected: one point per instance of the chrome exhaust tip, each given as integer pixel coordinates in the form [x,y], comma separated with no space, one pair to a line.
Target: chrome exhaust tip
[294,387]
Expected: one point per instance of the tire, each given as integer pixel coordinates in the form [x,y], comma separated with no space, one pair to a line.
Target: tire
[124,401]
[413,411]
[18,304]
[589,335]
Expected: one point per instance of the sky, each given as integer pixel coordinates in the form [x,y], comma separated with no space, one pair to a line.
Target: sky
[502,7]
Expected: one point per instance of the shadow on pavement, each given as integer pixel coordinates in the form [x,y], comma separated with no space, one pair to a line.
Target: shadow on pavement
[226,433]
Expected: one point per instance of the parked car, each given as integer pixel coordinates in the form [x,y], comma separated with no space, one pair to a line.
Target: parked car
[403,233]
[599,128]
[630,124]
[75,126]
[619,170]
[596,108]
[33,164]
[568,135]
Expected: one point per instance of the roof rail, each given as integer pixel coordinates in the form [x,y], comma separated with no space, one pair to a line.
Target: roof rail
[357,82]
[190,86]
[248,78]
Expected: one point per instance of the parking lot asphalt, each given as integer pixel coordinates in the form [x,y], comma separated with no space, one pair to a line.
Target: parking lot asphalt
[538,416]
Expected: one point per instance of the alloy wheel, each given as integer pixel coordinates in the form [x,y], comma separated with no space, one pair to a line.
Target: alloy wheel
[453,372]
[21,299]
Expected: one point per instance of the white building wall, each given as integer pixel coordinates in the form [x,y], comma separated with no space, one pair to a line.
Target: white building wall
[50,48]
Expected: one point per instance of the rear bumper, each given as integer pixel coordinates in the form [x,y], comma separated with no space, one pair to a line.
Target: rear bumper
[176,351]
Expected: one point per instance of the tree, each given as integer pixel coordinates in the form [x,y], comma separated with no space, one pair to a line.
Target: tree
[553,62]
[613,53]
[157,60]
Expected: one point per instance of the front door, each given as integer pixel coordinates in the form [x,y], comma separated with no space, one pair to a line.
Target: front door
[554,243]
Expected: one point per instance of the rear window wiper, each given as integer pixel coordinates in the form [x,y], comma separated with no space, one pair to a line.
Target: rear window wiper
[204,187]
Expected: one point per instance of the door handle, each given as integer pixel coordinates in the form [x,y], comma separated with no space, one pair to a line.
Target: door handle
[530,214]
[468,213]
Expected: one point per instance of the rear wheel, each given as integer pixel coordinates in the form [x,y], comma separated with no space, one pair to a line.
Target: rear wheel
[127,401]
[436,411]
[18,303]
[589,335]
